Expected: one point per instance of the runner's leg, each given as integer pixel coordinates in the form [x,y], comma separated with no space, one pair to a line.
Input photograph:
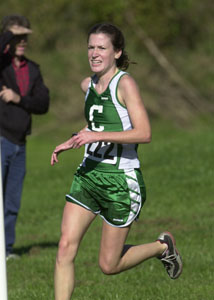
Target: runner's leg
[75,223]
[113,257]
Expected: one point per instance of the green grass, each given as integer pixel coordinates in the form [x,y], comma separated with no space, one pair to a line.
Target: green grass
[178,171]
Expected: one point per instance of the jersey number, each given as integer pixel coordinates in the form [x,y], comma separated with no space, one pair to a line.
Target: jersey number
[105,154]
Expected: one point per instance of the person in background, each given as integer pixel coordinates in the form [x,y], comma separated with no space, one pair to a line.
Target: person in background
[109,181]
[22,93]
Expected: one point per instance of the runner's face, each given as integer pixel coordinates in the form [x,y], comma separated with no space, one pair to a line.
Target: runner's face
[101,54]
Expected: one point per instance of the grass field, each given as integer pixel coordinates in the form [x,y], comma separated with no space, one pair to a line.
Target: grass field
[178,169]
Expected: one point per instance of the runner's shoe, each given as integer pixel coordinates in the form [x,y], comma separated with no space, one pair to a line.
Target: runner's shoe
[170,258]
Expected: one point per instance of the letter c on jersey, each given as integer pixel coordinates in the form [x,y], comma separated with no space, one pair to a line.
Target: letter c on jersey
[98,108]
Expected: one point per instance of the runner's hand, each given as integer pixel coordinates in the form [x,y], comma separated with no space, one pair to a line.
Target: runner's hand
[62,147]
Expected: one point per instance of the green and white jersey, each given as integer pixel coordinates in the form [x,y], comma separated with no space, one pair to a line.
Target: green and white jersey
[104,112]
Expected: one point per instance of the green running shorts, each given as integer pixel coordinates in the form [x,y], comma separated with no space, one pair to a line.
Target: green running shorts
[116,196]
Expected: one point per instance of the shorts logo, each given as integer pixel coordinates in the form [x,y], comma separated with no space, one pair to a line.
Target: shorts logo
[118,220]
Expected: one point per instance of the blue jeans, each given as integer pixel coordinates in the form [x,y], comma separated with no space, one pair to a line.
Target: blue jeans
[13,159]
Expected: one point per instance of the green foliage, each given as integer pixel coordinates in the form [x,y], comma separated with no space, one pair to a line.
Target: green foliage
[166,21]
[112,11]
[178,172]
[173,22]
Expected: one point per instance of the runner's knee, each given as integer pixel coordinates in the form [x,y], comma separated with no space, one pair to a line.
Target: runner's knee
[67,250]
[107,266]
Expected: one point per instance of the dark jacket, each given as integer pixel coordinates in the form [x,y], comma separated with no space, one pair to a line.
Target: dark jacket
[15,119]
